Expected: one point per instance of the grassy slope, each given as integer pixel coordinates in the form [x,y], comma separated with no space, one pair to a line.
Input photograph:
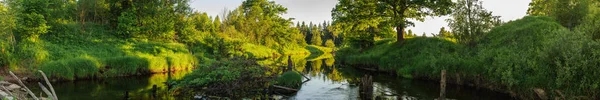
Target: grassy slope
[92,54]
[533,52]
[96,53]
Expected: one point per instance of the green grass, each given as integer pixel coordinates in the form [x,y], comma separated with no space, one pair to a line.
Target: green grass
[258,51]
[81,67]
[77,54]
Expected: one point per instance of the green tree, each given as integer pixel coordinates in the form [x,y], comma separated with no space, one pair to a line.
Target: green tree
[569,13]
[444,33]
[395,13]
[259,22]
[31,22]
[329,43]
[316,36]
[470,21]
[591,23]
[127,25]
[7,42]
[217,24]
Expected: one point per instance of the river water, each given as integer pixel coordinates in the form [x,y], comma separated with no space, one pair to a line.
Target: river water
[327,81]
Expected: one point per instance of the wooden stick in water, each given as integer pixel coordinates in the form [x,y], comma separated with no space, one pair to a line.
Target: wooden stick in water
[443,86]
[286,88]
[21,83]
[45,90]
[49,85]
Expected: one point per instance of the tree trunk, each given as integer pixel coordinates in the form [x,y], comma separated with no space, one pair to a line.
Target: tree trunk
[400,33]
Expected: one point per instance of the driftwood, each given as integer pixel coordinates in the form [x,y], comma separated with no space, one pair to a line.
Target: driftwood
[49,85]
[50,93]
[21,83]
[45,90]
[7,91]
[541,93]
[366,87]
[443,86]
[285,88]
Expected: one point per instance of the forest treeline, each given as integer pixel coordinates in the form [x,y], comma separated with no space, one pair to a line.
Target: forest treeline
[552,53]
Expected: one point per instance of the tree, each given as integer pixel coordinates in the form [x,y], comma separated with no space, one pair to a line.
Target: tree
[395,13]
[316,35]
[569,13]
[444,33]
[470,21]
[260,23]
[31,22]
[591,23]
[217,24]
[410,33]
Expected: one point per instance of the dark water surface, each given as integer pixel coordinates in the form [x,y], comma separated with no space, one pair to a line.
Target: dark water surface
[327,82]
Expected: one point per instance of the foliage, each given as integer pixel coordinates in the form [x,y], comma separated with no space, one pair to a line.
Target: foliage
[362,15]
[259,23]
[81,67]
[419,56]
[127,25]
[541,49]
[443,33]
[289,79]
[470,21]
[532,52]
[228,77]
[591,23]
[7,40]
[31,22]
[316,36]
[330,44]
[569,13]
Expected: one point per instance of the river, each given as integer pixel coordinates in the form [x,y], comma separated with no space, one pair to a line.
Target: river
[327,81]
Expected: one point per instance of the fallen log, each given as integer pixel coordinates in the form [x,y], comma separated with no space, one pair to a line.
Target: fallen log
[285,88]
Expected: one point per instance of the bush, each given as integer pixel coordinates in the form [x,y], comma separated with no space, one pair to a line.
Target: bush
[290,79]
[537,52]
[417,56]
[329,43]
[232,78]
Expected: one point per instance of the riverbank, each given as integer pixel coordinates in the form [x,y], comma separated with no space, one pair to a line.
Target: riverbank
[529,58]
[92,56]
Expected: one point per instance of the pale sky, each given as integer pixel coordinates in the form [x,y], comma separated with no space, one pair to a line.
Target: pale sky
[317,11]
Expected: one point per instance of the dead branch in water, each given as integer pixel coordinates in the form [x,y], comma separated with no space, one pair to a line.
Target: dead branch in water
[55,97]
[285,88]
[21,83]
[45,90]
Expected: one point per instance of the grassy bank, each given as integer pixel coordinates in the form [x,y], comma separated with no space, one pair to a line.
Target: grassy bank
[533,53]
[82,55]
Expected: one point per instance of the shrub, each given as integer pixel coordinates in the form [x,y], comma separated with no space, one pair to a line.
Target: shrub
[232,78]
[290,79]
[329,43]
[537,52]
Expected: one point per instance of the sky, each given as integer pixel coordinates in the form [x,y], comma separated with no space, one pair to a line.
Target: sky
[317,11]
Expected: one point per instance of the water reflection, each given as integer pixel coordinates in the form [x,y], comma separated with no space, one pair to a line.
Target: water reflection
[138,88]
[327,81]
